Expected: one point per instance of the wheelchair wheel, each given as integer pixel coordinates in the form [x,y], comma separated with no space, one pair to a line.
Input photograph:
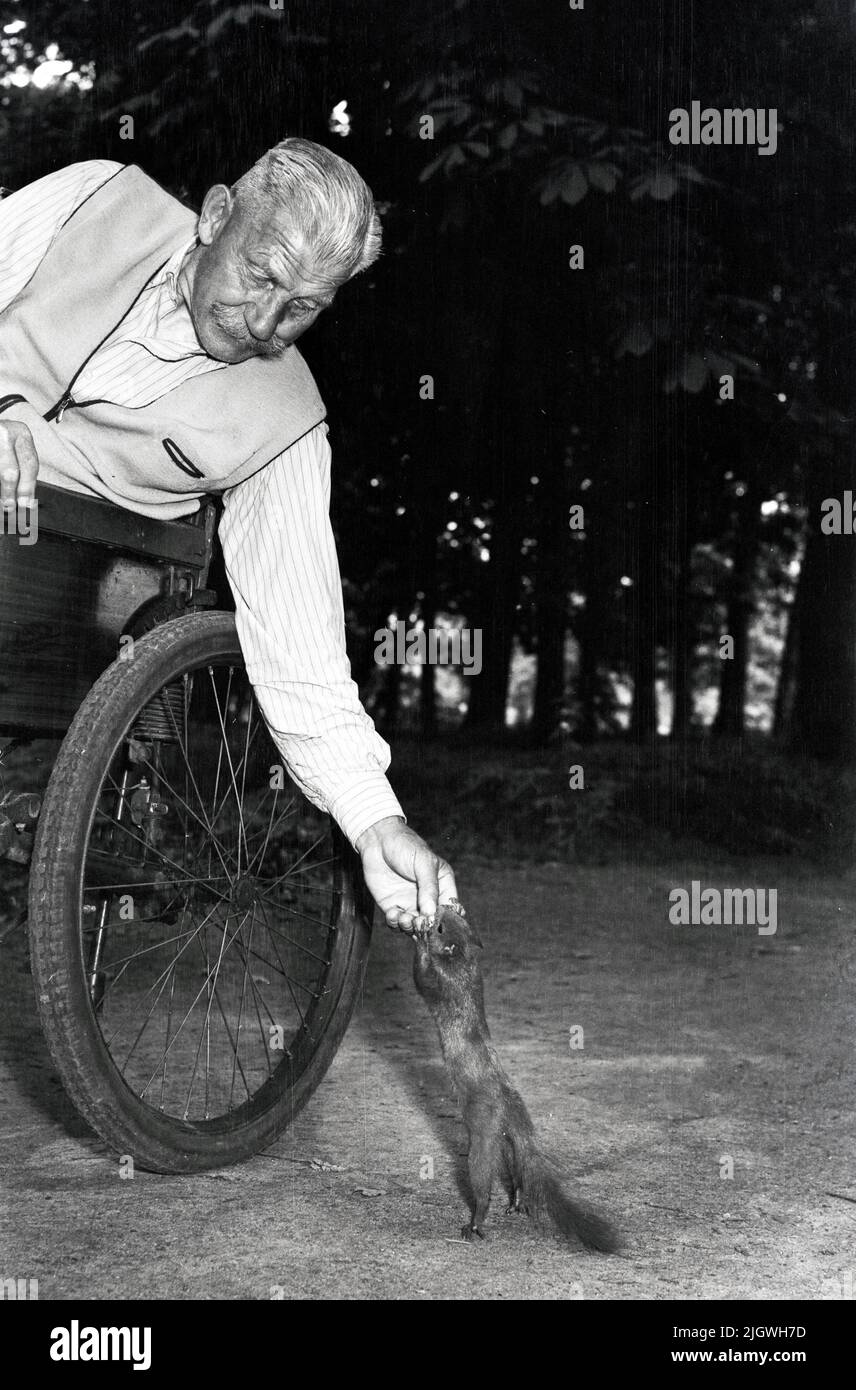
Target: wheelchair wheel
[198,930]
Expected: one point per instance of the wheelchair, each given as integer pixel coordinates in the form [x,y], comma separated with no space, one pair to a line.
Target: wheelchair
[198,930]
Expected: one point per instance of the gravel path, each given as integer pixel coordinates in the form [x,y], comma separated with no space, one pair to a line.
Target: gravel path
[701,1044]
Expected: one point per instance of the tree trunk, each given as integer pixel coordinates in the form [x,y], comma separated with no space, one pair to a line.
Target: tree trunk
[427,688]
[682,656]
[643,726]
[507,424]
[730,719]
[589,634]
[385,711]
[824,716]
[551,584]
[682,634]
[786,688]
[643,670]
[494,614]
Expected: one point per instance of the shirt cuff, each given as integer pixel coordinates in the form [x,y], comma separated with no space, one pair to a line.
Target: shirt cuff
[365,800]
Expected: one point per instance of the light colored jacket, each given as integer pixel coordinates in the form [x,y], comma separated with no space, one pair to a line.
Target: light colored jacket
[205,435]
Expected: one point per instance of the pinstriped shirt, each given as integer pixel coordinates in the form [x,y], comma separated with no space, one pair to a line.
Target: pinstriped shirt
[275,528]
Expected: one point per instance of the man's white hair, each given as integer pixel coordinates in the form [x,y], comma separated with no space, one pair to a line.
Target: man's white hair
[329,202]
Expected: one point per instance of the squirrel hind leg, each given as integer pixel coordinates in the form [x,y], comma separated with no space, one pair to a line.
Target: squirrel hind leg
[515,1202]
[513,1180]
[482,1164]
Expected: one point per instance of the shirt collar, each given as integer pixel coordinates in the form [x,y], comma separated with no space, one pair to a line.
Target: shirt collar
[160,320]
[168,275]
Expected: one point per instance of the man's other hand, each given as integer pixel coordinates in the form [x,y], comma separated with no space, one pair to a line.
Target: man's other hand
[404,876]
[19,465]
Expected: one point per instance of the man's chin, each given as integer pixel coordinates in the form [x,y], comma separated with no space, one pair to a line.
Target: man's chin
[225,349]
[221,345]
[230,350]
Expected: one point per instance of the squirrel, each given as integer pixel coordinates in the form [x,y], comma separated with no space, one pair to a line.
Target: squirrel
[447,974]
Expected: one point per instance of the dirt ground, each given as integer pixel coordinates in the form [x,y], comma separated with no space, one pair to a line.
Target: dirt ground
[700,1044]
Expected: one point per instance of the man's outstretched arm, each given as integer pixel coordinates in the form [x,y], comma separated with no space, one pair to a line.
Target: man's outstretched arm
[281,560]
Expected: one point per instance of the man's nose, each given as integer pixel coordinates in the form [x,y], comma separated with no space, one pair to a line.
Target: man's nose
[264,315]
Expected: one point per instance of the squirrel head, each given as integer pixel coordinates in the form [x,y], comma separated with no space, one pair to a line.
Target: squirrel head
[446,968]
[450,937]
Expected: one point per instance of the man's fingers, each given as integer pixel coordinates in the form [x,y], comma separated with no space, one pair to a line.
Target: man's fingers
[435,883]
[28,464]
[8,482]
[19,464]
[426,869]
[400,919]
[448,887]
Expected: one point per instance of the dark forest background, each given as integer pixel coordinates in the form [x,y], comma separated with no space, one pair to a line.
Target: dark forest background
[552,387]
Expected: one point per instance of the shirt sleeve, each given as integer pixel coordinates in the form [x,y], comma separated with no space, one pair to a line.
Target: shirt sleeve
[281,561]
[31,218]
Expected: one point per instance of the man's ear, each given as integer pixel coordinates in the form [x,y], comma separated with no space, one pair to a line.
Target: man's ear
[216,209]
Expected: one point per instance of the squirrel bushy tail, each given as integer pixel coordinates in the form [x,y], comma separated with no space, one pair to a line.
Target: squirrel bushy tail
[540,1191]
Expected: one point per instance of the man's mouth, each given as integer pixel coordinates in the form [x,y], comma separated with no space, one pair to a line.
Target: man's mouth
[234,328]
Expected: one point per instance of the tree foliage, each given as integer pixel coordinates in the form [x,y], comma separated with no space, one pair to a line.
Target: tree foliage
[497,137]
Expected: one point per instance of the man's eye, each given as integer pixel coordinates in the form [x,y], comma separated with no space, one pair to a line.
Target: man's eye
[302,306]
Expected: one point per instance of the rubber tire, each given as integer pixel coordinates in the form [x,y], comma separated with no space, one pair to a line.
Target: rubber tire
[155,1141]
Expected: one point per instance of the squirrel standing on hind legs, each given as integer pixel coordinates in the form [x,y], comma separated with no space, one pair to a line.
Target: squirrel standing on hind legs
[448,975]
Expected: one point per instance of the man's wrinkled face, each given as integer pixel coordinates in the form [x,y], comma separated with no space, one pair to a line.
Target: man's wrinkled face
[251,285]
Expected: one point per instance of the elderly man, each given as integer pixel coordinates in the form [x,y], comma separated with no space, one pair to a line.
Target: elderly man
[147,356]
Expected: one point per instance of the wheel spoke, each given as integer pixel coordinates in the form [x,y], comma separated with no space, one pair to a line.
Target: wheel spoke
[256,997]
[258,857]
[144,951]
[238,804]
[165,973]
[206,826]
[235,1062]
[287,980]
[195,786]
[105,815]
[292,870]
[316,921]
[202,989]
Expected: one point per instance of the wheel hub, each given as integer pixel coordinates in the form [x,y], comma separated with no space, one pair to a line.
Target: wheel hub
[244,892]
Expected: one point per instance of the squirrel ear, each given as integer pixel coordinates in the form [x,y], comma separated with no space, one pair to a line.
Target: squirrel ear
[477,941]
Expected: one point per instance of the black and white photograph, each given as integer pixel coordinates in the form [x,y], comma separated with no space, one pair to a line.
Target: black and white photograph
[428,664]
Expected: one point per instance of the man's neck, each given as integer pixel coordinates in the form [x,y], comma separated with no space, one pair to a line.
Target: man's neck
[186,273]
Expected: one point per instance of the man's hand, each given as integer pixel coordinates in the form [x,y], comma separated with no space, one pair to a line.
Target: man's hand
[404,876]
[19,465]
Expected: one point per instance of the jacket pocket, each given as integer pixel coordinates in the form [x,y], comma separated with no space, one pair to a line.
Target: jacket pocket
[181,460]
